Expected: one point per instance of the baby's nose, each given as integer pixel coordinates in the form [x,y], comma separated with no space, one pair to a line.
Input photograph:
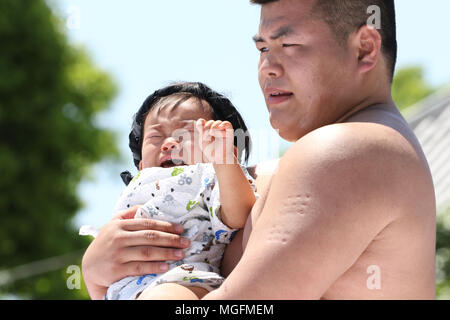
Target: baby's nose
[169,144]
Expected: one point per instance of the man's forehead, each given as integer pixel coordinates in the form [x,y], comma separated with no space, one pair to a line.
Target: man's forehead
[284,12]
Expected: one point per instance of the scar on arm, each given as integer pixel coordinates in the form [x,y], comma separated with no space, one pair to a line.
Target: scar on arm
[293,206]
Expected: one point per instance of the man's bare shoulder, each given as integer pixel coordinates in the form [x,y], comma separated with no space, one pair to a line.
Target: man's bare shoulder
[356,140]
[364,157]
[351,141]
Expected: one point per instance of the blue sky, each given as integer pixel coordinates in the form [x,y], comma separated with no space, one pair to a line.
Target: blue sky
[147,44]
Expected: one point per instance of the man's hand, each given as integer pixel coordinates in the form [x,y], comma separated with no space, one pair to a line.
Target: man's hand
[128,247]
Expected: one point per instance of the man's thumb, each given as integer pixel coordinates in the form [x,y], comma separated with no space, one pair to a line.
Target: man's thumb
[128,213]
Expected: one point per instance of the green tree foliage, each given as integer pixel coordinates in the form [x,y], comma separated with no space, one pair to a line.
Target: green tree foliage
[443,256]
[50,96]
[409,86]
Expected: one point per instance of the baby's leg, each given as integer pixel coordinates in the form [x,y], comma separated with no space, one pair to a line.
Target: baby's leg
[172,291]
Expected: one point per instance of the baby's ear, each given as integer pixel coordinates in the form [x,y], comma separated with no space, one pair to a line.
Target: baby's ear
[140,165]
[235,151]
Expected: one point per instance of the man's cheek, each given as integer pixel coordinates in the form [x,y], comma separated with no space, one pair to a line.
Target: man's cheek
[260,80]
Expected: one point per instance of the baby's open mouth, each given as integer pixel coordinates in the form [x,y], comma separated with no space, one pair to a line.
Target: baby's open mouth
[169,163]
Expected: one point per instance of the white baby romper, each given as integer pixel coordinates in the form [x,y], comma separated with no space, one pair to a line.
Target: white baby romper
[188,195]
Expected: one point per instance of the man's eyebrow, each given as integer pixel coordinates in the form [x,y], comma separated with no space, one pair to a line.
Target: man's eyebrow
[258,38]
[281,32]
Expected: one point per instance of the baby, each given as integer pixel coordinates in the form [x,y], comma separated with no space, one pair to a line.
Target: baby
[187,152]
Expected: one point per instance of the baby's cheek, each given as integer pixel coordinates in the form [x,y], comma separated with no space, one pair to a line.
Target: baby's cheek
[149,157]
[177,153]
[191,154]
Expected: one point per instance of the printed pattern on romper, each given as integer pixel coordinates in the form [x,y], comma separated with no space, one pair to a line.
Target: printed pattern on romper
[188,195]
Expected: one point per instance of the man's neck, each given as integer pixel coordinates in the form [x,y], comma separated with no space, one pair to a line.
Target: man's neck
[366,104]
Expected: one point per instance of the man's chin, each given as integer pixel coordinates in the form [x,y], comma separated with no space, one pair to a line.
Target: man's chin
[289,137]
[285,131]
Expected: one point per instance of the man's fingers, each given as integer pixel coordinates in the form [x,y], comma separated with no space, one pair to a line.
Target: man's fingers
[139,268]
[150,224]
[127,214]
[150,253]
[153,238]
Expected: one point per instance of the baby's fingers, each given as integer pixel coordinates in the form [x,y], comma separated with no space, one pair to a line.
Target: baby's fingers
[199,124]
[221,129]
[225,125]
[208,124]
[216,124]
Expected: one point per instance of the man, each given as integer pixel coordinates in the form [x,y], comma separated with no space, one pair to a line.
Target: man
[350,211]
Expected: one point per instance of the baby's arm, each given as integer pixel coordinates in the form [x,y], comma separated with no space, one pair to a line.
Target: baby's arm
[236,194]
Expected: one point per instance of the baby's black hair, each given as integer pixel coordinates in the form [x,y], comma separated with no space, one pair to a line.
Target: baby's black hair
[222,109]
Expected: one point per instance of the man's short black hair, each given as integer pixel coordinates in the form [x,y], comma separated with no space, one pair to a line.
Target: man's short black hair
[347,16]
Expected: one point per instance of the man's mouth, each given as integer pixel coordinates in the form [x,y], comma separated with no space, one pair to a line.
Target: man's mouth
[276,96]
[169,163]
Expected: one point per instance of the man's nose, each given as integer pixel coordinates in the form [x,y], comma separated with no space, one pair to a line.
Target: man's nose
[169,144]
[270,67]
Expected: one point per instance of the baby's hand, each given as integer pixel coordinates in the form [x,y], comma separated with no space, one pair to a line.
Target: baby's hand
[216,139]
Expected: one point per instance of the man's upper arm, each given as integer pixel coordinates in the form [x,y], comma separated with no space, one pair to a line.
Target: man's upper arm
[324,207]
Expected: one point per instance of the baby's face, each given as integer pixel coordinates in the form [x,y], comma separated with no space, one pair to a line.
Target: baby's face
[168,138]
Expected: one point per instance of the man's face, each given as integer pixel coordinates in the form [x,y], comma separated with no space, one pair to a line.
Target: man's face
[168,138]
[304,74]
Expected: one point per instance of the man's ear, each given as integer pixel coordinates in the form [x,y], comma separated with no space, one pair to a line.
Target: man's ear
[367,45]
[140,165]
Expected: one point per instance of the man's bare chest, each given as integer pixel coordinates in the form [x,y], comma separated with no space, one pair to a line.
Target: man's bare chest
[255,213]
